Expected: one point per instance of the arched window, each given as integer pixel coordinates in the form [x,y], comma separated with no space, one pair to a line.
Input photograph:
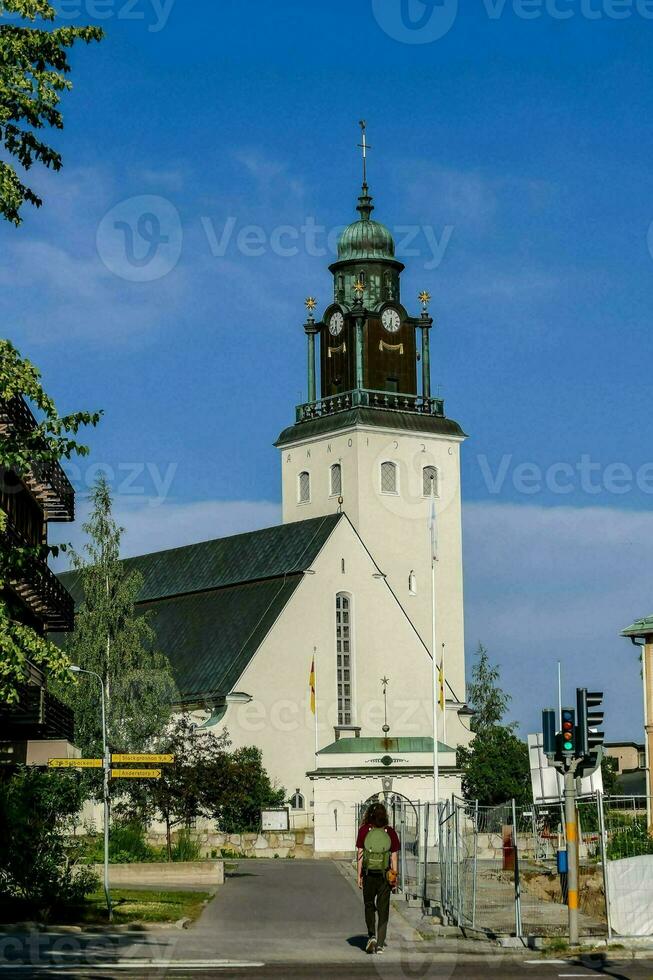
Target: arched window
[388,477]
[336,480]
[430,481]
[304,487]
[297,801]
[412,583]
[344,659]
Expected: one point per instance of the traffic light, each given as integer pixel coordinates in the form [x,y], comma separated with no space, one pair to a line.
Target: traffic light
[549,732]
[568,734]
[590,738]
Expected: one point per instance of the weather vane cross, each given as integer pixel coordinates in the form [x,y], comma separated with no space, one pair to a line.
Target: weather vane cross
[364,146]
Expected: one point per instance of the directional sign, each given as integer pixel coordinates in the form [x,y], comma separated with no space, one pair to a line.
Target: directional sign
[143,757]
[75,763]
[135,773]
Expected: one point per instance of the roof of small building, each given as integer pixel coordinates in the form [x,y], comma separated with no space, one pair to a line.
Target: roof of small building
[374,744]
[641,627]
[212,604]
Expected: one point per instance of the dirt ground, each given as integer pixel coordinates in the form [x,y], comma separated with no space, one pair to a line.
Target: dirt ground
[546,887]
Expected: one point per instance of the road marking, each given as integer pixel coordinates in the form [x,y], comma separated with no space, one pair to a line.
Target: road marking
[540,962]
[140,965]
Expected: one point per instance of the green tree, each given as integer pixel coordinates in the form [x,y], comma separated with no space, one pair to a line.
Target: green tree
[485,696]
[496,768]
[112,640]
[610,773]
[34,67]
[37,852]
[200,773]
[53,439]
[245,792]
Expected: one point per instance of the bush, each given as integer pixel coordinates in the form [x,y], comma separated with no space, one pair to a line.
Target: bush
[39,857]
[186,848]
[630,841]
[127,845]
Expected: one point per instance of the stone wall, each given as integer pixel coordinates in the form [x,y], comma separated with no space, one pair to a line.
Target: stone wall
[268,844]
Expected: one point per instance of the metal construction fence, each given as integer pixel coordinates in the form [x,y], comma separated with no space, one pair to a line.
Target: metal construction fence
[495,868]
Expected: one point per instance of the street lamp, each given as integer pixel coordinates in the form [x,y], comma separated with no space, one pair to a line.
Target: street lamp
[74,669]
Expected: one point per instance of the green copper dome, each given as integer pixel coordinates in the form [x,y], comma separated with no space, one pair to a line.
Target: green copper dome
[366,239]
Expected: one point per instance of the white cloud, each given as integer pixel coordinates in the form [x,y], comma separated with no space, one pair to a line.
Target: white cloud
[547,584]
[152,526]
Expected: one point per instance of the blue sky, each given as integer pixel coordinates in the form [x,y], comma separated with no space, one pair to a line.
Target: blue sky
[512,140]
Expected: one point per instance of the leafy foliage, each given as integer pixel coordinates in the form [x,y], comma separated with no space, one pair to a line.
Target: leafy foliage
[52,439]
[630,841]
[495,768]
[34,67]
[486,697]
[610,772]
[206,780]
[111,640]
[248,790]
[37,853]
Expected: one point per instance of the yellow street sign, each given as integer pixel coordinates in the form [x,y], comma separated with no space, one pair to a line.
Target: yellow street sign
[75,763]
[142,757]
[135,773]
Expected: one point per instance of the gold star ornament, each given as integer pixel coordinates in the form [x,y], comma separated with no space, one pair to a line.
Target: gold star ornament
[310,303]
[359,288]
[424,298]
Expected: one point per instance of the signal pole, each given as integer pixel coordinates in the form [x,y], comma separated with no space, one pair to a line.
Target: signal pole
[571,828]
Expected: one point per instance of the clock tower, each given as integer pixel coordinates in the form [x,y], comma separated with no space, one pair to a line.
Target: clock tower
[374,443]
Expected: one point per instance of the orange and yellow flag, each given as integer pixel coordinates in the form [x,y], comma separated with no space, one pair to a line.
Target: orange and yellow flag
[311,684]
[441,684]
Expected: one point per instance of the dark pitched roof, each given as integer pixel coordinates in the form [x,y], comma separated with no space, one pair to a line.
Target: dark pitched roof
[212,604]
[406,421]
[284,549]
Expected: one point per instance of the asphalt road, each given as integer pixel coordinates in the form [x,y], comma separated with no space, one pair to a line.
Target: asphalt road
[280,919]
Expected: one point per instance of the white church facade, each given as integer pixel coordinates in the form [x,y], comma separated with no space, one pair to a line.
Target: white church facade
[344,584]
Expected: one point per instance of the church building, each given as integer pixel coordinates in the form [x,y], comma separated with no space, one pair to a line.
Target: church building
[314,640]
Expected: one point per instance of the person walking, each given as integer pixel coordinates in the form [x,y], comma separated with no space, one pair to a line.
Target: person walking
[378,849]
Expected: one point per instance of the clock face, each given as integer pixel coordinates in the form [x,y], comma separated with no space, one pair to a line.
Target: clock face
[391,320]
[336,323]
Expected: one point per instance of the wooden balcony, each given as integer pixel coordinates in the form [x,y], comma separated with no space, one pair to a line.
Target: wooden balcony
[37,715]
[46,481]
[39,588]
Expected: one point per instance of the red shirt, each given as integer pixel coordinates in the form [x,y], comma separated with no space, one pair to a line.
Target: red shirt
[365,829]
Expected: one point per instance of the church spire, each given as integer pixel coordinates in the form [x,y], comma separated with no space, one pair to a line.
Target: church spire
[365,206]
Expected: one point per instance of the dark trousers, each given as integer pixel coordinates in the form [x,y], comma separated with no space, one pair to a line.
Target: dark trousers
[376,895]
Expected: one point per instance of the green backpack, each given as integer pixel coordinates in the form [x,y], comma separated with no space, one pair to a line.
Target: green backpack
[376,850]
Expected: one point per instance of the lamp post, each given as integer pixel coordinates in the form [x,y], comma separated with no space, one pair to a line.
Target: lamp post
[74,669]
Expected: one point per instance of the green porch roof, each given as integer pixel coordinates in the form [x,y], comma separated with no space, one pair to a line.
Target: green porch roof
[212,604]
[403,421]
[373,745]
[641,627]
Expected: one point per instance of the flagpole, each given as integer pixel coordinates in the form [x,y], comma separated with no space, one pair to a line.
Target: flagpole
[443,681]
[435,685]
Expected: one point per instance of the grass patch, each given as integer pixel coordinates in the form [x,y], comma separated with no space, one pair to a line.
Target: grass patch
[140,905]
[129,905]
